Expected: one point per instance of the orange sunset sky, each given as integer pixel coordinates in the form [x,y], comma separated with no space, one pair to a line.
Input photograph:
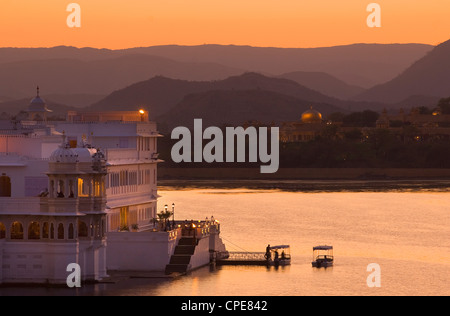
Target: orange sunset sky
[118,24]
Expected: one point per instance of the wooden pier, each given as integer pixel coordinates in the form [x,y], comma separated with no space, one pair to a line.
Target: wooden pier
[244,258]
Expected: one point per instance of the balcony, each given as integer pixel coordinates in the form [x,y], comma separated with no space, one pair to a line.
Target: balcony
[116,155]
[20,206]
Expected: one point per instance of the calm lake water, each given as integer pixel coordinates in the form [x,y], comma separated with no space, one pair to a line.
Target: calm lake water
[406,233]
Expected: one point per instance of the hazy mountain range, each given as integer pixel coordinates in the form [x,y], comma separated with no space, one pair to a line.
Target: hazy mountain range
[359,64]
[74,76]
[69,70]
[324,83]
[226,83]
[160,94]
[427,77]
[235,107]
[169,100]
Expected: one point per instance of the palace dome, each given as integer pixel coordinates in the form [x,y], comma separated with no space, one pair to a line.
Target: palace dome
[38,104]
[64,154]
[311,116]
[85,154]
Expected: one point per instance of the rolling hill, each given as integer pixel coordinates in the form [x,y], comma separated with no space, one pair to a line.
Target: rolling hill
[429,77]
[75,76]
[159,94]
[69,70]
[234,107]
[15,106]
[358,64]
[324,83]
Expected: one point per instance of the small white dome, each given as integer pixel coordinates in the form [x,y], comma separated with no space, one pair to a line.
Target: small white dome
[37,100]
[38,104]
[85,154]
[64,154]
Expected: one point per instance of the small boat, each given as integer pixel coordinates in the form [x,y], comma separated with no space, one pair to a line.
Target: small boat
[322,256]
[275,258]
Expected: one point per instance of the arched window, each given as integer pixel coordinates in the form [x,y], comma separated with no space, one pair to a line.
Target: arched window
[52,231]
[34,231]
[60,231]
[52,188]
[5,186]
[71,189]
[71,232]
[45,231]
[61,189]
[83,187]
[82,229]
[16,230]
[2,231]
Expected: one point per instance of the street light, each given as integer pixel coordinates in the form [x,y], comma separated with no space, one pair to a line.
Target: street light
[173,213]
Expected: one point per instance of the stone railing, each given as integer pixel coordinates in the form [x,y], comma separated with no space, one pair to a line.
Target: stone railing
[198,229]
[18,206]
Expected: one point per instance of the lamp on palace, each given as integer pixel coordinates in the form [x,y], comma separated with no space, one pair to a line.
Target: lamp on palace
[173,213]
[142,112]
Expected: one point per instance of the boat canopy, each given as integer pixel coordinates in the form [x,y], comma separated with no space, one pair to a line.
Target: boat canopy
[280,247]
[323,248]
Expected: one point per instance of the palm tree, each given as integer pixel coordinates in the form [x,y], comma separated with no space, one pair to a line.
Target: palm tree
[164,216]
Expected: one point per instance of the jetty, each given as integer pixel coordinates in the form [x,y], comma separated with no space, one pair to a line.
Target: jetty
[269,258]
[243,258]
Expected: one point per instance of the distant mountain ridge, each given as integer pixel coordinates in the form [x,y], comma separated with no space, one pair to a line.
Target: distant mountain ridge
[180,74]
[74,76]
[169,101]
[160,94]
[15,106]
[234,100]
[235,107]
[427,77]
[357,64]
[71,70]
[324,83]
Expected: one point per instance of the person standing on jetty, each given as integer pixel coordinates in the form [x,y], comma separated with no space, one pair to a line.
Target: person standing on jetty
[268,256]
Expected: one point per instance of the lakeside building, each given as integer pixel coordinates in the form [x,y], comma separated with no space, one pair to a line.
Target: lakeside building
[84,190]
[307,129]
[412,126]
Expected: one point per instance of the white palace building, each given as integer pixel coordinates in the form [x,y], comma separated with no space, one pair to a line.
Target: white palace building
[84,191]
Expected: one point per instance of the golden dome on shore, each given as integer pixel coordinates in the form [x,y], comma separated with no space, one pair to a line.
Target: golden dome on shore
[312,116]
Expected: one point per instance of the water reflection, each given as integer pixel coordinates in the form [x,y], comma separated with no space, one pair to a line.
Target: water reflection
[405,232]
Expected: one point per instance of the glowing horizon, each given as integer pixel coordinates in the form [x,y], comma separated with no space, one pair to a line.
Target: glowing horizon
[263,23]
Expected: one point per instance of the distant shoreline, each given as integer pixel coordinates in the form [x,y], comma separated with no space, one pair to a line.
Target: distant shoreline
[232,173]
[308,180]
[311,186]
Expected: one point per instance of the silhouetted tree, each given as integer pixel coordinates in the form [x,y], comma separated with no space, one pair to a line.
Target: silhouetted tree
[444,104]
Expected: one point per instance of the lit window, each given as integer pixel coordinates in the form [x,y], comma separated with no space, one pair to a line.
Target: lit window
[60,231]
[34,231]
[2,231]
[16,230]
[83,188]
